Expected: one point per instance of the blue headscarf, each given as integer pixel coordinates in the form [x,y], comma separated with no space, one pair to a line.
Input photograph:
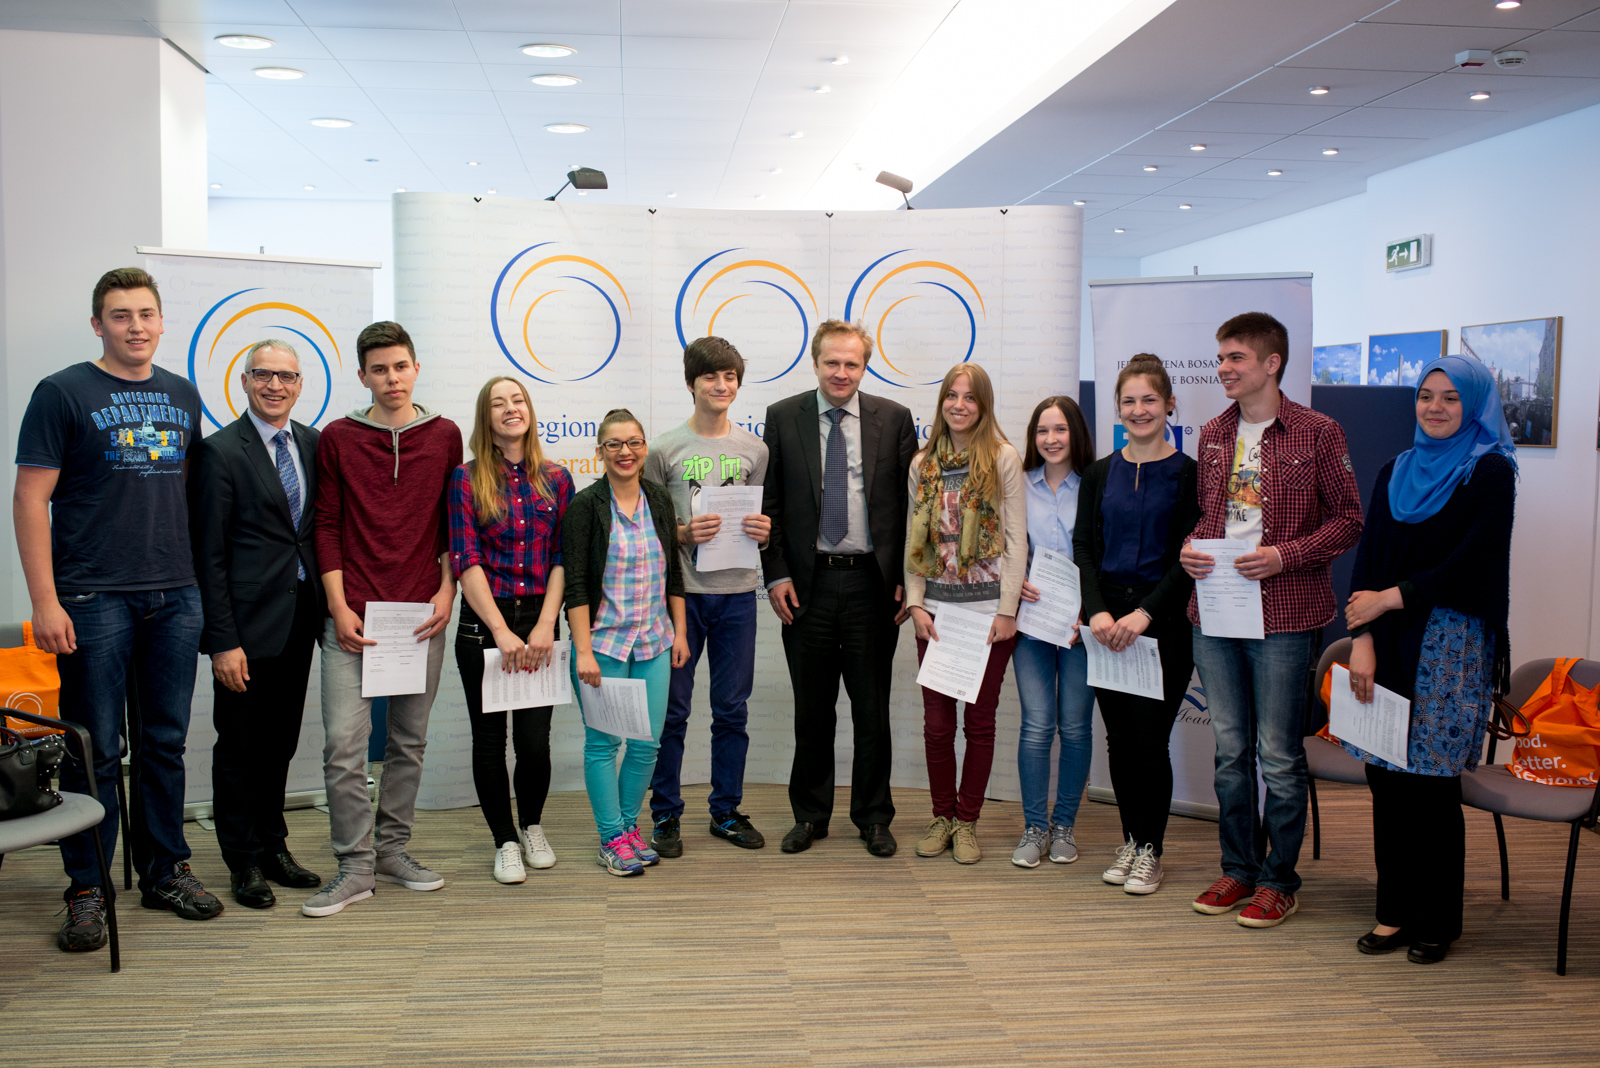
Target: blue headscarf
[1426,474]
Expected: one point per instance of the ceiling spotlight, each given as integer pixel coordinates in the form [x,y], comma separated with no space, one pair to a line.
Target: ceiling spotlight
[1197,148]
[839,61]
[894,181]
[399,189]
[775,170]
[309,188]
[1149,167]
[216,185]
[759,196]
[1507,5]
[1119,230]
[554,79]
[280,74]
[1079,203]
[547,51]
[583,192]
[1481,94]
[491,192]
[333,124]
[566,127]
[472,163]
[823,89]
[582,179]
[245,40]
[1185,207]
[1318,90]
[1330,152]
[1274,173]
[671,195]
[795,135]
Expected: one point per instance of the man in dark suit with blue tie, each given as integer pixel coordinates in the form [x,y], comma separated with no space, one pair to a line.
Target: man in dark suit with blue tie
[836,489]
[251,486]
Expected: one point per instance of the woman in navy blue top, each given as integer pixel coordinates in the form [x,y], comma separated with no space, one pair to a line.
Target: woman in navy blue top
[1135,507]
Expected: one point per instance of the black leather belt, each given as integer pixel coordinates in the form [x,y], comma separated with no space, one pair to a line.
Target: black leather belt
[843,561]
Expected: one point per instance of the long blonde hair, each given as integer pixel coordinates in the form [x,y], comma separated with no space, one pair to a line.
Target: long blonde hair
[488,468]
[983,448]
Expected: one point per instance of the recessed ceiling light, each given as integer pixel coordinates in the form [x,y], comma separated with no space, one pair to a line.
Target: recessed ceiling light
[1080,203]
[775,170]
[823,89]
[399,189]
[555,79]
[309,188]
[1119,230]
[1318,90]
[839,61]
[1149,166]
[671,195]
[548,51]
[333,124]
[1330,152]
[1507,5]
[583,192]
[1185,207]
[567,127]
[245,40]
[797,134]
[216,185]
[1481,94]
[759,196]
[491,192]
[1197,148]
[472,163]
[280,74]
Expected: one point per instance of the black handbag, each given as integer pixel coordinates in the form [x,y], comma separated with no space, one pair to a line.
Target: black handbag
[26,767]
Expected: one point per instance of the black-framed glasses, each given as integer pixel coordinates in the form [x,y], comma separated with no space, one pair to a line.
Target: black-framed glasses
[262,375]
[615,446]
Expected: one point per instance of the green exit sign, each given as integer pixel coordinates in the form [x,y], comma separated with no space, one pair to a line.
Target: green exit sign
[1412,252]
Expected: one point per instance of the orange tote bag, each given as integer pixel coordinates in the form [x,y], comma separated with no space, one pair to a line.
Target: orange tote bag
[1563,744]
[29,683]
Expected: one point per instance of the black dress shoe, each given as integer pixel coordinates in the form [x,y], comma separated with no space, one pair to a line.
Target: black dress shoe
[880,843]
[250,889]
[801,835]
[1374,943]
[284,870]
[1427,952]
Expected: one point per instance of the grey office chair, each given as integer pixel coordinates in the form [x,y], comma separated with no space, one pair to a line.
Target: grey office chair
[1324,759]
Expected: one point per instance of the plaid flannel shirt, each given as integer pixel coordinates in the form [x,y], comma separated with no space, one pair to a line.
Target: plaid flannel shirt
[517,551]
[1310,508]
[633,619]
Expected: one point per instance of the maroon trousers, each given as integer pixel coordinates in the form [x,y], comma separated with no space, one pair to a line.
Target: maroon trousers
[939,738]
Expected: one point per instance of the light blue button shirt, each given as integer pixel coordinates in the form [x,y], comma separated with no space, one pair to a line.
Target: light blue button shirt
[1052,513]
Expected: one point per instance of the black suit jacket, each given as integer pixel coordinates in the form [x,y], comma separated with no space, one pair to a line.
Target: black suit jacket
[245,542]
[792,494]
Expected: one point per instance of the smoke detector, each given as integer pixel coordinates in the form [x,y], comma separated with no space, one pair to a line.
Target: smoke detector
[1511,57]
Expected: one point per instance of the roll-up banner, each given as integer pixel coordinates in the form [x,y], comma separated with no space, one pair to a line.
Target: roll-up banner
[215,305]
[1176,319]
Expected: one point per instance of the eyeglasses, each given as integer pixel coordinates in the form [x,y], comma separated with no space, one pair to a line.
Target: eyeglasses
[262,375]
[614,446]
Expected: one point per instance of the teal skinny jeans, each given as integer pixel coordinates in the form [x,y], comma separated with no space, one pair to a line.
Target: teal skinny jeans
[616,794]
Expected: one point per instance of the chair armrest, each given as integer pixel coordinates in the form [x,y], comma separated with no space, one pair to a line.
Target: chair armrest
[74,733]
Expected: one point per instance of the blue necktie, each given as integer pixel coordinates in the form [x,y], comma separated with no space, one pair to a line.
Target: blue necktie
[291,482]
[835,511]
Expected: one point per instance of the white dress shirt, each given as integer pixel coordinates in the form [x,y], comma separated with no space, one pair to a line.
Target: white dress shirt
[858,539]
[268,432]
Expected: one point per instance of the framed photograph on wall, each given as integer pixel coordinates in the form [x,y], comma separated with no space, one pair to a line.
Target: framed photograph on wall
[1525,359]
[1398,359]
[1336,365]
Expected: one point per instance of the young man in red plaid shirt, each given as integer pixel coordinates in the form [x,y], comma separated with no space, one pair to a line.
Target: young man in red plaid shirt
[1277,475]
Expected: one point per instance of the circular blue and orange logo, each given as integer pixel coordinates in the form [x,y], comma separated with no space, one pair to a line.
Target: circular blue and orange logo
[549,331]
[933,337]
[737,280]
[245,324]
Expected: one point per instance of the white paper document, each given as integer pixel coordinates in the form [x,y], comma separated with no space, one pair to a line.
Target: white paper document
[398,664]
[731,547]
[1054,616]
[1382,728]
[1230,604]
[620,707]
[1135,670]
[954,665]
[550,685]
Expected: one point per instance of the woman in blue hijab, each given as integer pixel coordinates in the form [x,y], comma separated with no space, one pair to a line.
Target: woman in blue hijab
[1431,590]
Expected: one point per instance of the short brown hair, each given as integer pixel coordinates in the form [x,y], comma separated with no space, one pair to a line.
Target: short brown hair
[381,336]
[707,355]
[1264,334]
[123,278]
[1150,366]
[835,327]
[1080,449]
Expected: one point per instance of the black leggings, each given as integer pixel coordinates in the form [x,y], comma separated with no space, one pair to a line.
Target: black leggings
[1419,841]
[530,727]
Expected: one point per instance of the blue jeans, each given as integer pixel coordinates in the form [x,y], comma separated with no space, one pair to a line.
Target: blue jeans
[616,794]
[1256,696]
[1052,683]
[156,635]
[726,622]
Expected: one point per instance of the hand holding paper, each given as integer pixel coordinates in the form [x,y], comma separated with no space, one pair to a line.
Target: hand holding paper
[730,547]
[1381,727]
[954,664]
[1054,616]
[1230,604]
[504,690]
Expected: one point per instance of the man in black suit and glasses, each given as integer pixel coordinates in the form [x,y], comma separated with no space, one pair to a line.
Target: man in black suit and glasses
[836,492]
[251,486]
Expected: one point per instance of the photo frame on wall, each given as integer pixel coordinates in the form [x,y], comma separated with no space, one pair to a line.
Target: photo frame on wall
[1525,358]
[1398,359]
[1336,365]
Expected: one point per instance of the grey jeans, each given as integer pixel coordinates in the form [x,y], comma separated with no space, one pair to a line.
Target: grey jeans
[347,721]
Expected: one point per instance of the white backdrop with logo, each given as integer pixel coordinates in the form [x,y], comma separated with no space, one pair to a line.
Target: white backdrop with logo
[215,306]
[592,305]
[1177,319]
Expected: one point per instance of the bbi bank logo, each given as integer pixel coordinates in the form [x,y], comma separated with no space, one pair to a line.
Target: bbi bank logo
[240,325]
[933,336]
[736,280]
[562,337]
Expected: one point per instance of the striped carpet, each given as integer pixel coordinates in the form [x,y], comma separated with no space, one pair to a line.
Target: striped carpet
[832,957]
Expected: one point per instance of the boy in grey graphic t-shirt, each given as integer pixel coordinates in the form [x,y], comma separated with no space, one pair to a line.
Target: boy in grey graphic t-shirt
[720,606]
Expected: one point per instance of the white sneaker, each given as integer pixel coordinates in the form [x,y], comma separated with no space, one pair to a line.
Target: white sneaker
[1145,875]
[508,864]
[1117,874]
[536,847]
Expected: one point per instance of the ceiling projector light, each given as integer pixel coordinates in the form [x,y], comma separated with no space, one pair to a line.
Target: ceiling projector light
[280,74]
[1274,173]
[548,51]
[1197,148]
[567,127]
[555,79]
[1319,90]
[245,40]
[333,124]
[1150,167]
[1330,152]
[1481,94]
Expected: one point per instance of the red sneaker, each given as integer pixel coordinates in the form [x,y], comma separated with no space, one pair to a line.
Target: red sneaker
[1268,908]
[1222,896]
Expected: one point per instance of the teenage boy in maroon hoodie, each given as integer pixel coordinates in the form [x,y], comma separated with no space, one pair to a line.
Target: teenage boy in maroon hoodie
[382,535]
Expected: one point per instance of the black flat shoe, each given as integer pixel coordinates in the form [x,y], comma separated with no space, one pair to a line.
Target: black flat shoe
[880,843]
[284,870]
[1374,943]
[250,889]
[1427,952]
[801,835]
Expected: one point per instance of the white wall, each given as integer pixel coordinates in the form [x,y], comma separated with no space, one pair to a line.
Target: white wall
[321,229]
[1516,224]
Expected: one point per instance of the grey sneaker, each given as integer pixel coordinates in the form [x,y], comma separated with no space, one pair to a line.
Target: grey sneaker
[1030,849]
[346,888]
[1117,874]
[400,868]
[1145,875]
[1063,850]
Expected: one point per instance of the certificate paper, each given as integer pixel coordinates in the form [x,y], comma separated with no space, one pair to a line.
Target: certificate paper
[1382,727]
[1230,604]
[550,685]
[1054,616]
[620,707]
[398,663]
[1135,670]
[954,665]
[731,547]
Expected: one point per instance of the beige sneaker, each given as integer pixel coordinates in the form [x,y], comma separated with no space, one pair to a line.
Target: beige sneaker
[937,837]
[966,849]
